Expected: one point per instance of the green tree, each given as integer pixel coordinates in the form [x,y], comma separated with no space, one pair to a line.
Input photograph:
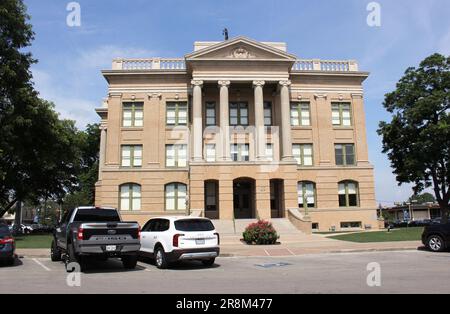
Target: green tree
[417,140]
[84,193]
[423,198]
[39,153]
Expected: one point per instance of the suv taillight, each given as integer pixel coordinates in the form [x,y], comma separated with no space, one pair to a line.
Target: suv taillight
[6,240]
[80,234]
[218,238]
[175,241]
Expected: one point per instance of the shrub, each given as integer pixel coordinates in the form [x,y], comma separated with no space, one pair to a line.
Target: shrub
[260,233]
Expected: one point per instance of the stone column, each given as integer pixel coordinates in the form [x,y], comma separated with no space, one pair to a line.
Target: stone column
[260,132]
[197,126]
[102,153]
[224,121]
[286,121]
[359,120]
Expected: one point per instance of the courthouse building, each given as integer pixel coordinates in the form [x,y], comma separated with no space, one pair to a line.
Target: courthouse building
[237,129]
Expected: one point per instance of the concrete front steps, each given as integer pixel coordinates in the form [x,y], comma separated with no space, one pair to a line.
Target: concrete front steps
[282,225]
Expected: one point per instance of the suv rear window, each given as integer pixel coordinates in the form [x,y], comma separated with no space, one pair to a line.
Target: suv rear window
[194,225]
[96,215]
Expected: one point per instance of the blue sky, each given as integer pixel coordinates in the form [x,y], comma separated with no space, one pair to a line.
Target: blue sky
[70,58]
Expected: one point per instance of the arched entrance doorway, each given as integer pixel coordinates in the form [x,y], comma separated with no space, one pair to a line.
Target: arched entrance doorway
[244,198]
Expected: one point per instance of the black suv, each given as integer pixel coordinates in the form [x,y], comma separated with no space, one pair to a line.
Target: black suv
[436,237]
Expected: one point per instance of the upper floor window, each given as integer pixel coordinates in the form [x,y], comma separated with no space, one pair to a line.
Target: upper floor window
[268,113]
[175,196]
[269,152]
[176,155]
[210,152]
[348,194]
[303,154]
[341,114]
[306,194]
[176,113]
[239,152]
[131,156]
[210,114]
[130,197]
[300,114]
[132,114]
[345,154]
[238,114]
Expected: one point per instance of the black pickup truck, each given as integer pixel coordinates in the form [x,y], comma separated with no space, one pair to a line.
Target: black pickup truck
[97,232]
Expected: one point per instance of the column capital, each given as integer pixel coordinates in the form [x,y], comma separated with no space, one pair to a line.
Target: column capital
[320,96]
[258,83]
[224,83]
[286,83]
[197,83]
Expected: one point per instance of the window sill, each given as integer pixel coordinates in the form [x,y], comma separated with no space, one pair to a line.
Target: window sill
[337,128]
[132,128]
[301,127]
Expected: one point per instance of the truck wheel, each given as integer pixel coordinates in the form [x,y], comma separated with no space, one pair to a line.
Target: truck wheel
[129,261]
[73,258]
[208,262]
[160,258]
[55,252]
[435,243]
[11,261]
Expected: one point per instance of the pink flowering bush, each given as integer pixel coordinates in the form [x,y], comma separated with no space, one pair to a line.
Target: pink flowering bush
[260,233]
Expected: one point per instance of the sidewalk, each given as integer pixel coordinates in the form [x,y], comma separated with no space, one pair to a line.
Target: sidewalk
[290,245]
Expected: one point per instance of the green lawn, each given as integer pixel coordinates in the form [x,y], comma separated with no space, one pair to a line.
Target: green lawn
[34,241]
[405,234]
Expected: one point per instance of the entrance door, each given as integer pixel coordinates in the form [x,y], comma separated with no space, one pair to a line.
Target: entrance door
[242,199]
[276,198]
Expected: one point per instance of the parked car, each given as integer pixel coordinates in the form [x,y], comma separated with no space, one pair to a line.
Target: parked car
[7,246]
[419,223]
[23,229]
[436,237]
[96,232]
[171,239]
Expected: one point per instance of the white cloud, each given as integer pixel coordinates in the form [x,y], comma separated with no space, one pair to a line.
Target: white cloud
[77,86]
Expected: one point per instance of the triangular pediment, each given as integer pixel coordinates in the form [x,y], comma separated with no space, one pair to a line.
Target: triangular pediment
[240,48]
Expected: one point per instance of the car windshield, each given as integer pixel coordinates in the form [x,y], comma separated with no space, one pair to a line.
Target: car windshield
[96,215]
[194,225]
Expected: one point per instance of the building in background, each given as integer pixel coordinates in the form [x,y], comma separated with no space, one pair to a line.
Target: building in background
[237,129]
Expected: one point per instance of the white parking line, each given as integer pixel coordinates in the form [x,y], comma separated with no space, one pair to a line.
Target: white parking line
[42,265]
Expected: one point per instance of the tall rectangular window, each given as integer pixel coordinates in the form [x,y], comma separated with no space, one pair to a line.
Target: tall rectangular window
[269,152]
[131,156]
[300,114]
[210,113]
[303,154]
[176,113]
[345,154]
[176,156]
[238,114]
[130,197]
[268,113]
[210,152]
[132,114]
[341,114]
[239,152]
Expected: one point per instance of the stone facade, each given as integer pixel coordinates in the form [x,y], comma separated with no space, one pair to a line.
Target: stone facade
[241,100]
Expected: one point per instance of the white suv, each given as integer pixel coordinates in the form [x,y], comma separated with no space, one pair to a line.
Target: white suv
[170,239]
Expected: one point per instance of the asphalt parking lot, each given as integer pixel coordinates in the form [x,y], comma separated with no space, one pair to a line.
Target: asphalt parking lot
[399,272]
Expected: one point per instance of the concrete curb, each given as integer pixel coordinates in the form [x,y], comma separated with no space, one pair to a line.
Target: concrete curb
[29,254]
